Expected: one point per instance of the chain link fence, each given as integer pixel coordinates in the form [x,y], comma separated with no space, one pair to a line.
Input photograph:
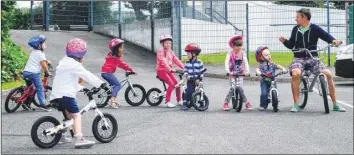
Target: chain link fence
[207,23]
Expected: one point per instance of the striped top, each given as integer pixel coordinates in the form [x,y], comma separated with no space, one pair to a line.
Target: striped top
[193,68]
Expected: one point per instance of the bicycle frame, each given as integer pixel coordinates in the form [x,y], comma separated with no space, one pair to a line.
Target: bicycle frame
[122,83]
[67,123]
[235,84]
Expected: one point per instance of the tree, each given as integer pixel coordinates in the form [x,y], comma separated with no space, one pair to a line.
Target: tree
[66,13]
[164,8]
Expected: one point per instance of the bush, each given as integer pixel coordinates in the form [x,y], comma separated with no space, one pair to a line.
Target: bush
[13,57]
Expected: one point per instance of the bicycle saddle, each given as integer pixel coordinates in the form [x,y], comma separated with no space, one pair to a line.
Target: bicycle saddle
[159,78]
[307,67]
[28,81]
[55,104]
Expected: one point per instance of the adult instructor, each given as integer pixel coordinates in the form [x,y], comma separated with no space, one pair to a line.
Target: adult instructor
[306,35]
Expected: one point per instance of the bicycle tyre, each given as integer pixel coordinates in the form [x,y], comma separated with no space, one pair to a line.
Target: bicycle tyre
[194,103]
[239,99]
[95,126]
[7,109]
[46,95]
[305,93]
[152,103]
[108,95]
[275,101]
[135,86]
[34,135]
[324,93]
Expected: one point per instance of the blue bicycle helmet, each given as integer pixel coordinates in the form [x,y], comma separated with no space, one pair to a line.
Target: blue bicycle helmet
[259,51]
[37,40]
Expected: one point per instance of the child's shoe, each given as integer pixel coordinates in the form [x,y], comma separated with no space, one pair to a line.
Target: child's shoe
[226,106]
[248,106]
[170,105]
[82,142]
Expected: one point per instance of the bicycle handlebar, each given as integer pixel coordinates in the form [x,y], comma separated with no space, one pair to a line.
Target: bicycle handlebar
[310,51]
[235,74]
[280,73]
[129,73]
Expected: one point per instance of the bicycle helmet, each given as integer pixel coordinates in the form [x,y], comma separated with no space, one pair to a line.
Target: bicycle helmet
[193,48]
[36,41]
[76,48]
[165,37]
[259,52]
[114,43]
[236,37]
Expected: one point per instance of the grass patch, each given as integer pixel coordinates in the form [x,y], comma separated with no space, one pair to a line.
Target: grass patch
[13,84]
[282,58]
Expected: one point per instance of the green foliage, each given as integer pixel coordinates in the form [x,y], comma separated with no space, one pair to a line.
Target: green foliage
[13,57]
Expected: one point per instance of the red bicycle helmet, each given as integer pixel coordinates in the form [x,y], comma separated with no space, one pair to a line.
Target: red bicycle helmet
[193,48]
[236,37]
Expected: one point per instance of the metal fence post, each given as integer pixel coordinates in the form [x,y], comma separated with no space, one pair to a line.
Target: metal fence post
[211,11]
[152,26]
[47,15]
[193,9]
[119,19]
[90,15]
[172,15]
[43,15]
[183,3]
[346,22]
[226,12]
[32,15]
[328,28]
[179,30]
[247,32]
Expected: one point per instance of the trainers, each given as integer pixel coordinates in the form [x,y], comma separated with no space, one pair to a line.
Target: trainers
[184,107]
[114,105]
[248,106]
[180,103]
[225,107]
[261,108]
[82,142]
[295,108]
[336,107]
[44,108]
[170,105]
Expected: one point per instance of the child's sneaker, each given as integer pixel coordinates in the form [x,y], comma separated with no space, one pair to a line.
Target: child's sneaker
[82,142]
[336,107]
[184,107]
[226,106]
[261,108]
[295,108]
[180,103]
[44,108]
[114,105]
[170,105]
[248,106]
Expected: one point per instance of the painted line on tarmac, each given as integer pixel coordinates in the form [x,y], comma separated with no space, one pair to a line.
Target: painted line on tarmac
[338,101]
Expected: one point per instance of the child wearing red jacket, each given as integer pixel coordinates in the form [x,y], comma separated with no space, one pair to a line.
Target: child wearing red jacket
[114,60]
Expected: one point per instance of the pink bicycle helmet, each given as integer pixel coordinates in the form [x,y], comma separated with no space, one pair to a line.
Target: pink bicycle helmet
[165,37]
[115,42]
[233,39]
[76,48]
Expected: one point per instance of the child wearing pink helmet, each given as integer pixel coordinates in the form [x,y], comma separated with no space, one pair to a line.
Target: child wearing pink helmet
[114,60]
[165,57]
[236,62]
[66,84]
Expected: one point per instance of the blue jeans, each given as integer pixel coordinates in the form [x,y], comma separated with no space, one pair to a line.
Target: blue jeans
[36,78]
[190,90]
[264,93]
[113,81]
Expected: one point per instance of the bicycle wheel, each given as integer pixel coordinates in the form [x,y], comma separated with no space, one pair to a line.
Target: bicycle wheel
[303,94]
[99,129]
[324,93]
[11,104]
[198,104]
[239,100]
[138,98]
[35,100]
[152,97]
[275,101]
[102,97]
[54,138]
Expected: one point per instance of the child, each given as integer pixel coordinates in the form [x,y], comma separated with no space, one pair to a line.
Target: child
[37,61]
[236,62]
[267,68]
[192,69]
[165,57]
[114,60]
[66,85]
